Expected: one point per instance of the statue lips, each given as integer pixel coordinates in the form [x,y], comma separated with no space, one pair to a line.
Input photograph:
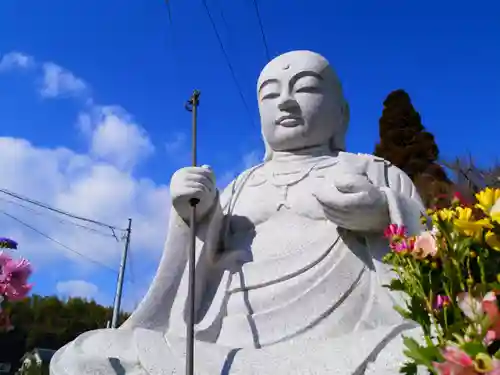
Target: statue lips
[289,121]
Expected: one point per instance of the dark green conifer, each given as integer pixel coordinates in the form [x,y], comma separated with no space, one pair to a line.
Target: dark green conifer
[406,144]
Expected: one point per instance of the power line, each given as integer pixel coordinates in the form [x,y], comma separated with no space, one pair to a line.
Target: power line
[59,211]
[58,242]
[61,221]
[169,11]
[228,62]
[222,16]
[172,34]
[262,33]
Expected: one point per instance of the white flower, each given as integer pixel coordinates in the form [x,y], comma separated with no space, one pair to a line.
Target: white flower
[471,307]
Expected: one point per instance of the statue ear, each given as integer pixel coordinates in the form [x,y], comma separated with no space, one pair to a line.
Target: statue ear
[337,143]
[346,115]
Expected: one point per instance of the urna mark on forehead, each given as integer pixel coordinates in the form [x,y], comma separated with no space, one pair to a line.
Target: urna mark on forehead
[296,63]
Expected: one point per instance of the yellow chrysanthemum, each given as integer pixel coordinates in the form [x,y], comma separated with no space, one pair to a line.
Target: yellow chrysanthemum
[492,240]
[465,223]
[444,214]
[495,217]
[487,198]
[464,213]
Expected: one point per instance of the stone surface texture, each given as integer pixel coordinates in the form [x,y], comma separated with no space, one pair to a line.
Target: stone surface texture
[289,274]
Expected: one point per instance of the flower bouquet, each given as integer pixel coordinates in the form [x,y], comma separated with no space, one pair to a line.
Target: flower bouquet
[449,277]
[14,285]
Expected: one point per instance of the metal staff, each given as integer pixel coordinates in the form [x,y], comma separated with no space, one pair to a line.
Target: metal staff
[192,106]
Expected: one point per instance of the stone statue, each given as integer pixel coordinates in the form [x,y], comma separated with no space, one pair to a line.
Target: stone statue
[289,274]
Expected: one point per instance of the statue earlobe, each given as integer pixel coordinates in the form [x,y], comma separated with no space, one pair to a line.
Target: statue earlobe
[337,143]
[346,114]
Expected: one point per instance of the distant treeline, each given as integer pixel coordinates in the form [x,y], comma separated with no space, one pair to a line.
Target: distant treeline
[50,323]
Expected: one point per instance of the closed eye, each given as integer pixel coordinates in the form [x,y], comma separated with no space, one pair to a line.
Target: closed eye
[271,95]
[308,89]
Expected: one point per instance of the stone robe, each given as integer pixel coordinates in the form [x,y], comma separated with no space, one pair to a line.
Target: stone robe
[279,287]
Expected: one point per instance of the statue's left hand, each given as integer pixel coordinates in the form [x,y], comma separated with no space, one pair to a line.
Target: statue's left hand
[352,202]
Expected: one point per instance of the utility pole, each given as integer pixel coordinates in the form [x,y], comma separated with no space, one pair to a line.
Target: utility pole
[121,274]
[192,106]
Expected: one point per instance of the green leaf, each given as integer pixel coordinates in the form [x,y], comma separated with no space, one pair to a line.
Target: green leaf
[403,312]
[418,312]
[473,348]
[421,355]
[409,368]
[396,284]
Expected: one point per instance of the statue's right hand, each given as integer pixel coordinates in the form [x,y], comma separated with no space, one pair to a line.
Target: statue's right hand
[193,183]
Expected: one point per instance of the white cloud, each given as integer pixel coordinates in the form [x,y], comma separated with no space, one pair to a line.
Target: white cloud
[55,80]
[115,137]
[58,81]
[15,60]
[79,184]
[99,183]
[77,288]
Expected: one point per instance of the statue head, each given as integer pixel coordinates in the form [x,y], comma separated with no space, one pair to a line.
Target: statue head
[301,103]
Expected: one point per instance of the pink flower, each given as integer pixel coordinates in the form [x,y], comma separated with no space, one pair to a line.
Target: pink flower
[14,276]
[455,355]
[398,241]
[474,308]
[395,232]
[441,301]
[489,337]
[456,362]
[425,245]
[402,246]
[490,308]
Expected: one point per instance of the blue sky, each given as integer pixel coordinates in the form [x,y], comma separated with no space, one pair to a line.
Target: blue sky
[445,54]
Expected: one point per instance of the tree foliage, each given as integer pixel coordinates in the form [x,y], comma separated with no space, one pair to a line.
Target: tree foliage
[406,144]
[50,323]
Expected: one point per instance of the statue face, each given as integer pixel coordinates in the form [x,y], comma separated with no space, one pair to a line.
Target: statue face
[299,101]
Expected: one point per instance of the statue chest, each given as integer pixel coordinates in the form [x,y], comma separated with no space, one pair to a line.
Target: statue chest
[266,194]
[276,215]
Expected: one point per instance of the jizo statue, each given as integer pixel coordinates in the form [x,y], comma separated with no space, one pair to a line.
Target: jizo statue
[288,271]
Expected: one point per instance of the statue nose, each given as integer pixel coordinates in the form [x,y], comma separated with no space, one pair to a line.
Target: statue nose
[287,103]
